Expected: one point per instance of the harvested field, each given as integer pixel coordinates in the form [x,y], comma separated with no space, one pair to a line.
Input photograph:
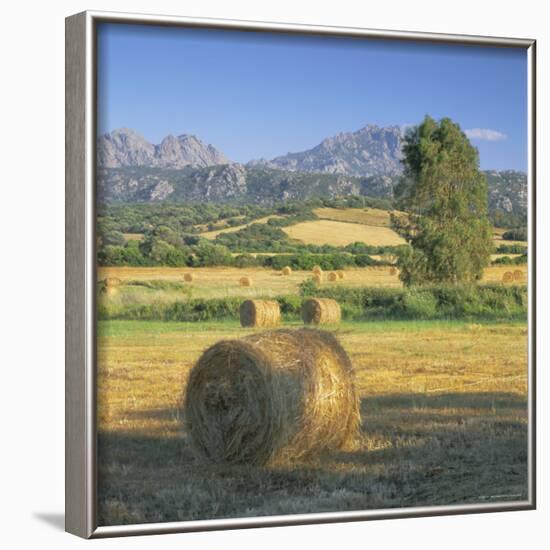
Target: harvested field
[365,216]
[211,235]
[221,282]
[133,236]
[342,233]
[444,416]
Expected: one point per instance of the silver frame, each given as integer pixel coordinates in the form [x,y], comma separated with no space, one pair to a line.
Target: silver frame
[80,272]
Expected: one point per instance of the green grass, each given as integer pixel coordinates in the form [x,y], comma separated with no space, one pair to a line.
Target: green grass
[117,329]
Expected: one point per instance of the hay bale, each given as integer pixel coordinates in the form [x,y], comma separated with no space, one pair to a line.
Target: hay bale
[287,270]
[518,275]
[333,276]
[317,279]
[188,277]
[112,282]
[317,270]
[245,281]
[321,311]
[109,290]
[260,313]
[271,397]
[340,274]
[393,271]
[508,277]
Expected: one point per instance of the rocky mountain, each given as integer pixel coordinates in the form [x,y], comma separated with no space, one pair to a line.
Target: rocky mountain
[125,147]
[366,162]
[371,151]
[507,191]
[235,183]
[231,183]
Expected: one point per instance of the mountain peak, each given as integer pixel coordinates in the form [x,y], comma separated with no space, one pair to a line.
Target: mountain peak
[369,151]
[125,147]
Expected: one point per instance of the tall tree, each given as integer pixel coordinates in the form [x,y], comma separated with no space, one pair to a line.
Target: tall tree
[445,197]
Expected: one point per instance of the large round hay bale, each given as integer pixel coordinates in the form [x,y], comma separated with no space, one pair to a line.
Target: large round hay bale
[340,274]
[393,271]
[260,313]
[518,275]
[188,277]
[317,278]
[321,311]
[245,281]
[271,397]
[508,277]
[333,276]
[317,270]
[287,270]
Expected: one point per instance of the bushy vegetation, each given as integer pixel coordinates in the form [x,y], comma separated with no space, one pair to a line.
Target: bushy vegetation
[429,302]
[144,217]
[519,234]
[511,249]
[507,260]
[169,234]
[491,302]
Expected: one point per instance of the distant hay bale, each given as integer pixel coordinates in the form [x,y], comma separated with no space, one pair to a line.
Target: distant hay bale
[272,397]
[109,290]
[287,270]
[321,311]
[317,279]
[333,276]
[508,277]
[518,275]
[245,281]
[112,282]
[393,271]
[317,270]
[340,274]
[188,277]
[260,313]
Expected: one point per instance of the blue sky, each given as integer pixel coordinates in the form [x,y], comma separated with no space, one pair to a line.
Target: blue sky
[255,95]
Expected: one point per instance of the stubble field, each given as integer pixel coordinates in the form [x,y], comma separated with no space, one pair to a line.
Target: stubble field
[444,421]
[222,282]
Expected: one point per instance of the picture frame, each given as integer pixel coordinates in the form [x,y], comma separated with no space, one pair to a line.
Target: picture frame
[81,276]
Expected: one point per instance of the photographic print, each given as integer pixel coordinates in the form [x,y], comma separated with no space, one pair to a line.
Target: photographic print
[312,274]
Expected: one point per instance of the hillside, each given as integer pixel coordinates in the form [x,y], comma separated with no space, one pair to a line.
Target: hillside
[230,183]
[508,193]
[235,183]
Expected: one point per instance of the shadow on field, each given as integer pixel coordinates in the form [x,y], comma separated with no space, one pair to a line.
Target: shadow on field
[482,400]
[416,450]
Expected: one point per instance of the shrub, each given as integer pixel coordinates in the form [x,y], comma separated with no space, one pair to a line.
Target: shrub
[419,304]
[307,288]
[519,234]
[290,305]
[430,302]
